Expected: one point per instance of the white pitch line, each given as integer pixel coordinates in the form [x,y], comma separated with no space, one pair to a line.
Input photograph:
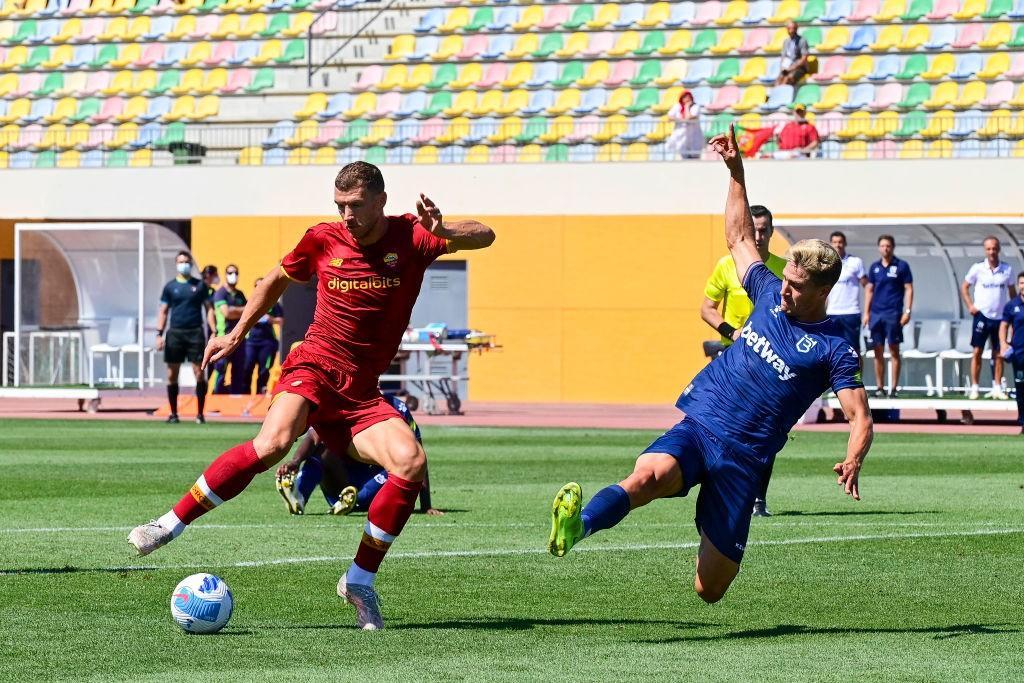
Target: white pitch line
[503,552]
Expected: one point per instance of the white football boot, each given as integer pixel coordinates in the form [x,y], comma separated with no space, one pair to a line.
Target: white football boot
[147,537]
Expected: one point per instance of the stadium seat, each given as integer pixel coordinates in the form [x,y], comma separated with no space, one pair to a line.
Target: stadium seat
[916,95]
[860,97]
[837,11]
[864,10]
[831,69]
[941,36]
[912,124]
[649,73]
[778,97]
[625,44]
[677,42]
[519,74]
[725,98]
[834,40]
[855,125]
[942,65]
[890,11]
[758,12]
[755,41]
[617,101]
[730,40]
[597,72]
[567,100]
[999,93]
[966,124]
[87,108]
[863,37]
[1018,10]
[888,39]
[968,36]
[916,11]
[681,14]
[704,41]
[727,69]
[733,12]
[606,15]
[997,36]
[969,10]
[940,123]
[698,71]
[657,14]
[191,81]
[753,69]
[442,77]
[913,67]
[752,98]
[622,72]
[1016,70]
[966,66]
[63,110]
[915,37]
[787,10]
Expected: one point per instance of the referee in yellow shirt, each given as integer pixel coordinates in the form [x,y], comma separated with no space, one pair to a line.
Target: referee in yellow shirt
[724,290]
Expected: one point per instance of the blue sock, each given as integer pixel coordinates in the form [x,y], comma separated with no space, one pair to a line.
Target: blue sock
[370,490]
[310,474]
[606,509]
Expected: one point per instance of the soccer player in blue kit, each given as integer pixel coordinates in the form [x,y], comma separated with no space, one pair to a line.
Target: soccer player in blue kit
[740,408]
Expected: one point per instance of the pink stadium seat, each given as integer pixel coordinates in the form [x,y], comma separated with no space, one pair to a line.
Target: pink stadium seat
[943,9]
[505,154]
[238,80]
[112,106]
[91,29]
[387,103]
[600,43]
[472,47]
[624,71]
[75,7]
[325,24]
[1016,70]
[969,36]
[833,67]
[886,96]
[369,77]
[495,74]
[324,4]
[97,81]
[205,25]
[98,135]
[865,9]
[429,130]
[584,128]
[222,53]
[328,133]
[29,82]
[554,17]
[755,40]
[724,98]
[829,123]
[30,136]
[999,93]
[707,11]
[884,149]
[153,53]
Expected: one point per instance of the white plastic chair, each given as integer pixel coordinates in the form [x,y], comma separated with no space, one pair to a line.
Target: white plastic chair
[121,339]
[962,349]
[933,338]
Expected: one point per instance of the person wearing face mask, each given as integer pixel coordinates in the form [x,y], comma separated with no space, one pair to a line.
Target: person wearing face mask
[261,346]
[228,304]
[179,331]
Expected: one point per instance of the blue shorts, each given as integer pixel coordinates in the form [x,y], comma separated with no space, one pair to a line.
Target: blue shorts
[849,329]
[985,329]
[886,331]
[358,473]
[729,483]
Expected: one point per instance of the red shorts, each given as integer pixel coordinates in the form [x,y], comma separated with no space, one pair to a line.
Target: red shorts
[345,403]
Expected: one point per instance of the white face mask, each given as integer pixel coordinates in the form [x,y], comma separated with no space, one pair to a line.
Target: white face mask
[232,279]
[185,268]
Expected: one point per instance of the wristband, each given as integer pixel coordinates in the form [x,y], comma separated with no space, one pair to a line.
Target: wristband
[159,333]
[726,330]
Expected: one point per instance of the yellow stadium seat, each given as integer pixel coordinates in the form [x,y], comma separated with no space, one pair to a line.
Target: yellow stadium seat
[677,42]
[419,76]
[324,156]
[78,134]
[121,82]
[619,99]
[858,149]
[518,75]
[733,13]
[256,23]
[315,103]
[657,14]
[530,154]
[230,25]
[750,121]
[466,102]
[969,10]
[184,26]
[891,10]
[185,6]
[997,123]
[214,81]
[559,127]
[250,156]
[380,130]
[64,109]
[940,149]
[426,155]
[675,71]
[99,7]
[625,44]
[753,68]
[8,8]
[942,65]
[972,95]
[16,109]
[611,128]
[574,44]
[70,29]
[299,25]
[206,107]
[995,67]
[1018,150]
[596,73]
[669,97]
[787,10]
[568,100]
[199,52]
[609,152]
[728,41]
[661,130]
[191,81]
[393,78]
[457,129]
[911,149]
[457,19]
[884,124]
[528,18]
[14,58]
[31,7]
[270,50]
[304,132]
[942,96]
[141,158]
[604,16]
[52,136]
[69,159]
[138,27]
[449,47]
[134,107]
[859,68]
[181,108]
[1017,101]
[478,154]
[998,35]
[401,47]
[300,156]
[122,6]
[752,98]
[506,130]
[115,30]
[143,81]
[835,39]
[8,84]
[525,45]
[916,36]
[468,75]
[124,135]
[59,56]
[363,104]
[62,137]
[9,134]
[940,123]
[637,151]
[888,39]
[779,38]
[834,95]
[513,102]
[856,124]
[128,55]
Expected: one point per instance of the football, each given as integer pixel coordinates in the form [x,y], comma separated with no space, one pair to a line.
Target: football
[201,603]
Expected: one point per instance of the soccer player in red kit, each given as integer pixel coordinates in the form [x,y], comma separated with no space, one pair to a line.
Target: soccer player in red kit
[369,268]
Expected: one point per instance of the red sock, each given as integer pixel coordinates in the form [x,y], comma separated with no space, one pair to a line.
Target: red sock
[224,479]
[388,513]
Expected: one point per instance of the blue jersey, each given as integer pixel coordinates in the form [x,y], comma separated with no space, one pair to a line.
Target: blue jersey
[403,410]
[888,282]
[263,330]
[1013,315]
[184,300]
[753,394]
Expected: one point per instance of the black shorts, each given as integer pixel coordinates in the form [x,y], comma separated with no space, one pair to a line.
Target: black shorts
[185,343]
[985,329]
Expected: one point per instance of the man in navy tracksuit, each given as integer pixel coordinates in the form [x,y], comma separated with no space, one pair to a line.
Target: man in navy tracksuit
[1013,348]
[261,346]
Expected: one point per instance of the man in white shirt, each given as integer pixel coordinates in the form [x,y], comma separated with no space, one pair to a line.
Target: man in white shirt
[844,301]
[993,287]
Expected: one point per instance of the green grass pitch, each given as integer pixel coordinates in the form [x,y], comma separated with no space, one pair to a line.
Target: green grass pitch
[920,581]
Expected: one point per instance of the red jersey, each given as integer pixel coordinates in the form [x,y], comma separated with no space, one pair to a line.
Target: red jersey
[365,294]
[797,135]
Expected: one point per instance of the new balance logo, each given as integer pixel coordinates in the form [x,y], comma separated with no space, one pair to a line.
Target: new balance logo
[763,348]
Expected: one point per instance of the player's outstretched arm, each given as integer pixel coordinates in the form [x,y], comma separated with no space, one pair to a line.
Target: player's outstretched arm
[263,299]
[461,235]
[862,431]
[739,225]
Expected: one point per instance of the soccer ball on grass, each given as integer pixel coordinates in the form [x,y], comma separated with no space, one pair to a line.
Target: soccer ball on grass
[201,603]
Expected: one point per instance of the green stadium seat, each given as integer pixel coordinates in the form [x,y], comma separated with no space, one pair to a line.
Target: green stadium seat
[263,80]
[86,108]
[46,159]
[648,71]
[104,56]
[168,79]
[653,41]
[704,41]
[174,132]
[807,95]
[294,51]
[580,16]
[812,11]
[446,73]
[644,100]
[914,67]
[557,153]
[1018,38]
[279,22]
[376,155]
[552,43]
[54,82]
[534,128]
[916,95]
[481,18]
[354,132]
[211,6]
[917,10]
[913,123]
[39,54]
[719,125]
[26,32]
[813,36]
[116,159]
[571,72]
[142,6]
[439,101]
[727,70]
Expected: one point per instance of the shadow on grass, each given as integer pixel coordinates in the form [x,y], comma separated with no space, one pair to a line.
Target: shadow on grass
[851,513]
[75,570]
[510,624]
[783,630]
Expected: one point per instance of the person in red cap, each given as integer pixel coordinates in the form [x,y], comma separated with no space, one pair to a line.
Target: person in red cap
[687,140]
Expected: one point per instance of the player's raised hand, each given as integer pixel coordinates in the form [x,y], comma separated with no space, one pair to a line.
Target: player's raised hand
[849,473]
[430,215]
[218,348]
[726,147]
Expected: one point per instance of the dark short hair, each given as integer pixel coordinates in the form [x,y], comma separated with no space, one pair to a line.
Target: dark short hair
[758,210]
[230,265]
[210,270]
[183,253]
[1020,274]
[892,240]
[360,174]
[837,233]
[991,237]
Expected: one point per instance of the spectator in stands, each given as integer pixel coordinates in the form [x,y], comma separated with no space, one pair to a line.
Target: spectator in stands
[844,301]
[1011,338]
[687,139]
[798,138]
[183,300]
[261,346]
[724,289]
[888,300]
[992,280]
[795,52]
[228,304]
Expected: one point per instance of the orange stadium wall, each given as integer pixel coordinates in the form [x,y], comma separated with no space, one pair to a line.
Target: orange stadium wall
[587,309]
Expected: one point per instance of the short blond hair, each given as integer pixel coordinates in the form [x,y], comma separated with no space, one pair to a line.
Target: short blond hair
[818,259]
